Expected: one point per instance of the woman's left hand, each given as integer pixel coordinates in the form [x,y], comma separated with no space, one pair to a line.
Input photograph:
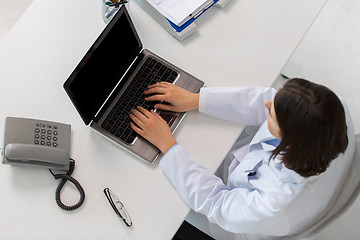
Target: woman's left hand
[153,128]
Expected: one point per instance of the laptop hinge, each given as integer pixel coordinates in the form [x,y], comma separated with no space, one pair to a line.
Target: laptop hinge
[118,87]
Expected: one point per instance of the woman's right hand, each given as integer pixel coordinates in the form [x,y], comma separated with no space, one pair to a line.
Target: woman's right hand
[178,99]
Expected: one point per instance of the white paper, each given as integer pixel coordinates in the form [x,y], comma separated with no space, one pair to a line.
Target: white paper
[179,11]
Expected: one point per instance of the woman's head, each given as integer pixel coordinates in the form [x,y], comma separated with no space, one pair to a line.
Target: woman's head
[312,126]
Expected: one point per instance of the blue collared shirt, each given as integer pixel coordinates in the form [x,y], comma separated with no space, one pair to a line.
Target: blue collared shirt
[257,159]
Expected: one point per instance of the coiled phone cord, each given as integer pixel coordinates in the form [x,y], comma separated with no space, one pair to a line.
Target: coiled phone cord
[67,177]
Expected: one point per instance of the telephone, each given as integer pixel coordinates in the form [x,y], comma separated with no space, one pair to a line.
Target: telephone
[37,143]
[42,143]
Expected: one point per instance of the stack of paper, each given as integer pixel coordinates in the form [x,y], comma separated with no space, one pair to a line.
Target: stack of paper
[180,11]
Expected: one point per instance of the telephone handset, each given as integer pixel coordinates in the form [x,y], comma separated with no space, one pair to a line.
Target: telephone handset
[37,143]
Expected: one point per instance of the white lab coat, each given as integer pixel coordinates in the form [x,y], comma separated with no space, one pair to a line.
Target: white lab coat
[262,204]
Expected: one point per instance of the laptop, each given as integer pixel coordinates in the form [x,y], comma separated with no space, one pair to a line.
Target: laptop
[110,80]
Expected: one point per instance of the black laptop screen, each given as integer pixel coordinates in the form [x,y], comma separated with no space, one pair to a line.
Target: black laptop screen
[104,64]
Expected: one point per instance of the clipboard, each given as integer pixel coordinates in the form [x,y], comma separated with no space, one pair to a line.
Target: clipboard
[185,30]
[183,26]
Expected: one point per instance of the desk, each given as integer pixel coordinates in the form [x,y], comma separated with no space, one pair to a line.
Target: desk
[245,44]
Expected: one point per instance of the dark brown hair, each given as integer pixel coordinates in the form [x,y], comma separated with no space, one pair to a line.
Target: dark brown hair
[312,124]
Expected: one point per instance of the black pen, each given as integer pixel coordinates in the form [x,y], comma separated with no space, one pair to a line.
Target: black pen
[250,172]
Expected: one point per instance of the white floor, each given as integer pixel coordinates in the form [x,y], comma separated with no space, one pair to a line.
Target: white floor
[329,54]
[10,11]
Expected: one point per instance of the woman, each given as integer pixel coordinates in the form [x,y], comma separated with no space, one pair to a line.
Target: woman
[302,129]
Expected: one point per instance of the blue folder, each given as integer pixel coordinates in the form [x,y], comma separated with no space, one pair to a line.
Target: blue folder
[182,27]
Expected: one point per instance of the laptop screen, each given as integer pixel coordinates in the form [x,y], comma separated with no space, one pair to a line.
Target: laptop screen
[103,65]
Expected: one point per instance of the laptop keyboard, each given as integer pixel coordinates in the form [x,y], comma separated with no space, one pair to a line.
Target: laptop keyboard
[117,122]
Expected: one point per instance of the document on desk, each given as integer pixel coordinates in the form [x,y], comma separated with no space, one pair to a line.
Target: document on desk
[180,11]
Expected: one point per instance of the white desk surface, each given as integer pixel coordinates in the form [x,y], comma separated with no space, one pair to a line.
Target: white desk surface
[247,43]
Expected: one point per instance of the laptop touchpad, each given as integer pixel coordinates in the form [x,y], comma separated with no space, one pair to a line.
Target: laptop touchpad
[169,117]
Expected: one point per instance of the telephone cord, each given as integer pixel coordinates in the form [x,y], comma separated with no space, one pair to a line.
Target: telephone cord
[64,178]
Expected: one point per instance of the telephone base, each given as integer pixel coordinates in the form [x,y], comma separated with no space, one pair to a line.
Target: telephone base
[36,142]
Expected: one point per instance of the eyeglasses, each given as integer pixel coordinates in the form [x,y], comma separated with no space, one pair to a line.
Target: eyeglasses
[118,207]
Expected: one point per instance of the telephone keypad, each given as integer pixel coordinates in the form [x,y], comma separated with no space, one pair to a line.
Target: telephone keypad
[45,135]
